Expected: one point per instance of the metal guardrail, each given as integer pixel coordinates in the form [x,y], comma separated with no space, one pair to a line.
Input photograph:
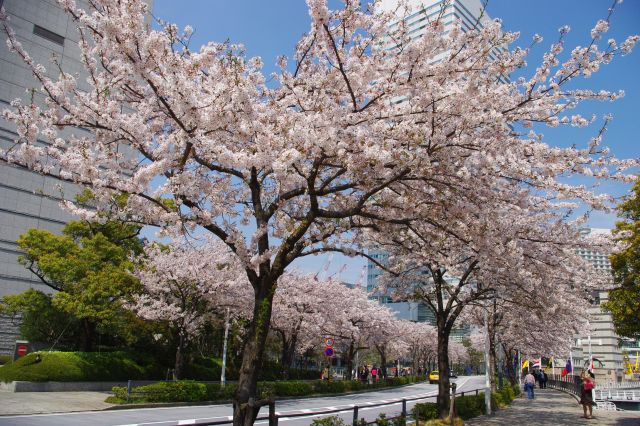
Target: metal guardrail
[621,385]
[607,394]
[568,384]
[274,416]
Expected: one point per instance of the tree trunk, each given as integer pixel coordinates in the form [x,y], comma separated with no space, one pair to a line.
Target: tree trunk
[510,361]
[288,354]
[179,364]
[493,359]
[245,404]
[88,334]
[444,398]
[351,353]
[383,361]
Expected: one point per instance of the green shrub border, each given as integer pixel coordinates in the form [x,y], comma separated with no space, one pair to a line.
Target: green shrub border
[469,406]
[192,391]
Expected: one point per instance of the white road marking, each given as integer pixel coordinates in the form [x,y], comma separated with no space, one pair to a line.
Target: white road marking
[187,422]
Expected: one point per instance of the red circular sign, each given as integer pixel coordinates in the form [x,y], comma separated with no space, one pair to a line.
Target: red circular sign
[22,350]
[328,351]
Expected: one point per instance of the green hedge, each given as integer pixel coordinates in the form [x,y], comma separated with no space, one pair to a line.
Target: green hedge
[470,406]
[164,392]
[81,366]
[425,411]
[209,369]
[182,391]
[4,359]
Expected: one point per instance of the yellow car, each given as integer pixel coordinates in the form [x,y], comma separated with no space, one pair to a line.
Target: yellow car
[434,377]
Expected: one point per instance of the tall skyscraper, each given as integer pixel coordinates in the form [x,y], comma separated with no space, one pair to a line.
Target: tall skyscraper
[467,12]
[603,341]
[470,14]
[29,200]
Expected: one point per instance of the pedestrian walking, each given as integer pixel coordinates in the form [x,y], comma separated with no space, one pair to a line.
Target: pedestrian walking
[374,373]
[529,385]
[586,395]
[544,380]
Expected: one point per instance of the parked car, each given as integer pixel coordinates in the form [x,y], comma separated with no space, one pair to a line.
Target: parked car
[434,377]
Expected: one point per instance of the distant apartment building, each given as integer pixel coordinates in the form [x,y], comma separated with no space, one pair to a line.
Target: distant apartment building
[29,200]
[605,344]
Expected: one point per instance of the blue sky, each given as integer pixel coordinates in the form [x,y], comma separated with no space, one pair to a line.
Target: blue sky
[272,28]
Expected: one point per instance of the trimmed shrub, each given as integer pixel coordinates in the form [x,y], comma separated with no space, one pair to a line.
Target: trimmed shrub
[328,421]
[185,390]
[469,406]
[425,411]
[4,359]
[179,391]
[81,366]
[292,388]
[215,392]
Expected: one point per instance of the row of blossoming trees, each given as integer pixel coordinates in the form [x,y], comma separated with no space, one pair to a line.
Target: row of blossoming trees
[188,283]
[422,147]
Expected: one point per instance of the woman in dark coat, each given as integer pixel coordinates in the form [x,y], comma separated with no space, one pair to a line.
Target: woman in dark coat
[586,395]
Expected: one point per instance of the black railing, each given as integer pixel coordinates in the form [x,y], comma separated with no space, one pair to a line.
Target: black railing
[570,384]
[273,416]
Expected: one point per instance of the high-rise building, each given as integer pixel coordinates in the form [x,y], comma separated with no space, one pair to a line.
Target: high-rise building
[603,342]
[29,200]
[470,14]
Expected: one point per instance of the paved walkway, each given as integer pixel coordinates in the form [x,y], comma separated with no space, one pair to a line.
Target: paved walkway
[551,408]
[15,403]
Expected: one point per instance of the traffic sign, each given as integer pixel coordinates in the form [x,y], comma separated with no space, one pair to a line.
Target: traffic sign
[328,351]
[328,341]
[22,350]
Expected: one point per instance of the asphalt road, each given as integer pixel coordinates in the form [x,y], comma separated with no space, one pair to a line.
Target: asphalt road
[170,416]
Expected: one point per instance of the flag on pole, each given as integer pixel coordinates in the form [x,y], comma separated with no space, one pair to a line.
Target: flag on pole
[568,368]
[550,364]
[537,363]
[525,364]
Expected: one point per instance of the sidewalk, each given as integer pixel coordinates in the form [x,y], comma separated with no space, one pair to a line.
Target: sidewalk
[16,403]
[550,408]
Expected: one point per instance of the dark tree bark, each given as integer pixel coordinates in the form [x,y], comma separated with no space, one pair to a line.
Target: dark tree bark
[178,367]
[383,359]
[351,354]
[88,334]
[443,369]
[510,360]
[288,352]
[245,405]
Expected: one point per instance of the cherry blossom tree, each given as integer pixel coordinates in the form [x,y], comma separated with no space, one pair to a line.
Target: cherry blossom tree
[329,149]
[298,307]
[350,317]
[185,284]
[385,334]
[421,344]
[501,251]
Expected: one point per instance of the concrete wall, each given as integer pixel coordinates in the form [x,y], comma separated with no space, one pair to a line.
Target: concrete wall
[20,386]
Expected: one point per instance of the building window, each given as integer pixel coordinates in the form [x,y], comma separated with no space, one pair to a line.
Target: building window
[49,35]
